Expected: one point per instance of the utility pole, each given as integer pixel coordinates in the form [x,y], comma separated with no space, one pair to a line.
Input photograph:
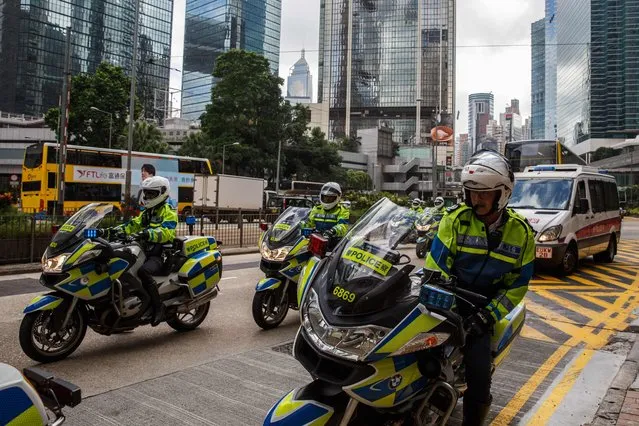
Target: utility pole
[63,134]
[127,184]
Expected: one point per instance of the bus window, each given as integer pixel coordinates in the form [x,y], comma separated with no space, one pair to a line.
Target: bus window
[33,156]
[31,186]
[185,194]
[186,166]
[51,180]
[94,158]
[91,191]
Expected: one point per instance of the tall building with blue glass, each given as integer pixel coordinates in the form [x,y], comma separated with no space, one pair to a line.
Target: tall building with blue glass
[550,59]
[32,48]
[538,79]
[597,71]
[216,26]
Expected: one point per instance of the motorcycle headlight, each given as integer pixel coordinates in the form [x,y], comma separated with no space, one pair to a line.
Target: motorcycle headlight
[352,343]
[422,341]
[276,254]
[550,234]
[423,228]
[54,264]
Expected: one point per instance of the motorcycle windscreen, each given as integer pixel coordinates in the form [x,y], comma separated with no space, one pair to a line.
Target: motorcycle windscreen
[366,263]
[71,232]
[287,226]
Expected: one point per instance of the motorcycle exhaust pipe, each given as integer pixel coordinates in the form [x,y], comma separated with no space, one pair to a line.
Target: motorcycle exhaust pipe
[183,309]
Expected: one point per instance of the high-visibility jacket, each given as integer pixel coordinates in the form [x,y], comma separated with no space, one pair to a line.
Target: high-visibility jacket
[418,210]
[323,220]
[498,266]
[161,222]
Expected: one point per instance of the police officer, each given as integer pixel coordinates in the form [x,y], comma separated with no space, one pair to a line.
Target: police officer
[154,226]
[416,206]
[329,217]
[439,205]
[490,249]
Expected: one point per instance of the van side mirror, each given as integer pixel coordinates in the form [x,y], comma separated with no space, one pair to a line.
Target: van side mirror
[584,206]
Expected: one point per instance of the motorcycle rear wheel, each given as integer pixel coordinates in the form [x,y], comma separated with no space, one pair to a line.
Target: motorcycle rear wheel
[266,313]
[40,343]
[190,320]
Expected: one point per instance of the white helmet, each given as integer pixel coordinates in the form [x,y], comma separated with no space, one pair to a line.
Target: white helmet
[439,202]
[330,195]
[417,202]
[154,191]
[488,170]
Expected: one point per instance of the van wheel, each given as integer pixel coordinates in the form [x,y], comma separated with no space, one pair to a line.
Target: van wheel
[609,255]
[570,260]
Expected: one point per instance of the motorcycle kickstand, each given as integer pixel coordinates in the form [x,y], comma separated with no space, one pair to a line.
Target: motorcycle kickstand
[348,413]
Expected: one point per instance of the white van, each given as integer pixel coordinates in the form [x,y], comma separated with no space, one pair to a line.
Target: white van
[575,211]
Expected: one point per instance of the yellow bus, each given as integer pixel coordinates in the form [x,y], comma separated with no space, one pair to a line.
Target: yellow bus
[98,174]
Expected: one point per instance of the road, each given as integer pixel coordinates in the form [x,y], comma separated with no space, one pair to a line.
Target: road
[229,372]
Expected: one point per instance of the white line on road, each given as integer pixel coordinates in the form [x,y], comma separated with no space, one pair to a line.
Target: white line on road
[227,278]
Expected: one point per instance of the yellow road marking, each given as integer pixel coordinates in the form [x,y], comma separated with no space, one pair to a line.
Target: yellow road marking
[573,288]
[546,277]
[569,304]
[616,272]
[563,324]
[606,278]
[523,395]
[532,333]
[596,300]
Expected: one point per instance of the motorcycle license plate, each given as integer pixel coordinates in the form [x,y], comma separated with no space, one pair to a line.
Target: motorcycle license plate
[544,253]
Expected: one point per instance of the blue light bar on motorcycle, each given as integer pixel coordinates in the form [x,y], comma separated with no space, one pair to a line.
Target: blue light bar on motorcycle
[307,232]
[190,220]
[91,233]
[436,298]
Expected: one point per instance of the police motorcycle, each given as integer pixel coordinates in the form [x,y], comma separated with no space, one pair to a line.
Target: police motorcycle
[426,226]
[383,346]
[284,250]
[94,283]
[400,221]
[28,398]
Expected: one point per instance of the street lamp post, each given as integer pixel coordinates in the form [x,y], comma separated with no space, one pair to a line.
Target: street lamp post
[224,153]
[110,122]
[277,175]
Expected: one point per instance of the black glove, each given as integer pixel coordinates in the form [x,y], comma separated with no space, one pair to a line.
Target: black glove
[331,233]
[104,232]
[142,236]
[480,322]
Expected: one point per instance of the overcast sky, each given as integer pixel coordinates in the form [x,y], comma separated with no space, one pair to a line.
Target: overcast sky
[493,48]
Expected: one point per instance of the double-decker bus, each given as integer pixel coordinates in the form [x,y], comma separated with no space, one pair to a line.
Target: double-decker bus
[538,152]
[99,174]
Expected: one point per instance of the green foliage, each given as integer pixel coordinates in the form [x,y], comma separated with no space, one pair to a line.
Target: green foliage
[362,201]
[146,138]
[358,180]
[311,156]
[350,144]
[108,90]
[604,152]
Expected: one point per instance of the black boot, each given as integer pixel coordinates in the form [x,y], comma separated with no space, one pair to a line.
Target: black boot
[156,301]
[475,413]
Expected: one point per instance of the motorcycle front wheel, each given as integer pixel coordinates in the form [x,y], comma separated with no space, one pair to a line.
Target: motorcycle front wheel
[268,311]
[42,343]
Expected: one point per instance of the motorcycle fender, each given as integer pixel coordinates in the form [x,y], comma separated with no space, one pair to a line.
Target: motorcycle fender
[421,240]
[305,278]
[312,404]
[268,284]
[45,302]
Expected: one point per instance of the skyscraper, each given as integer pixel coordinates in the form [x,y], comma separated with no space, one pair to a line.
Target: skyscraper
[32,48]
[550,58]
[598,72]
[378,60]
[216,26]
[300,83]
[538,79]
[480,112]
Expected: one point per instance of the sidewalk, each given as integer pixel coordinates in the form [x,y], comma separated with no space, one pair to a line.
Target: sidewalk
[620,406]
[27,268]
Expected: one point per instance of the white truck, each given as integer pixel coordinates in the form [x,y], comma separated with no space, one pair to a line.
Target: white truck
[227,194]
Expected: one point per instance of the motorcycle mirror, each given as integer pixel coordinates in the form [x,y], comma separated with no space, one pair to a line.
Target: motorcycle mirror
[318,245]
[264,227]
[54,229]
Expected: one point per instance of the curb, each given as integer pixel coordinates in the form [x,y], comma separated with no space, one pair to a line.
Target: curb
[28,268]
[625,380]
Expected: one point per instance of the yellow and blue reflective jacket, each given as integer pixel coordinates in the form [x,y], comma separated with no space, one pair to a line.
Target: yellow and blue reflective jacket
[417,210]
[498,267]
[160,221]
[323,220]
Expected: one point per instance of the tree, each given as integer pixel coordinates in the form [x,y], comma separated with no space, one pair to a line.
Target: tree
[108,90]
[146,138]
[604,152]
[358,180]
[350,144]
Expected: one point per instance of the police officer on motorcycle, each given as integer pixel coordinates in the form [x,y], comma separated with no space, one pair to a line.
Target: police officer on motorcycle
[490,249]
[439,206]
[154,226]
[416,206]
[329,217]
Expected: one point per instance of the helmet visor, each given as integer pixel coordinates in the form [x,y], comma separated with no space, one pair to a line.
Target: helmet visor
[328,198]
[150,194]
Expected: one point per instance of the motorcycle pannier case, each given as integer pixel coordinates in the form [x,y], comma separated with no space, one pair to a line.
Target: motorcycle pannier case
[202,269]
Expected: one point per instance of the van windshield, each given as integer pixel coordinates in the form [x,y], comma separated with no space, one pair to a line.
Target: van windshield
[541,194]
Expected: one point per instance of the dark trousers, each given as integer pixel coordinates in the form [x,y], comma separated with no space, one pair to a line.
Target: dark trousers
[478,362]
[152,266]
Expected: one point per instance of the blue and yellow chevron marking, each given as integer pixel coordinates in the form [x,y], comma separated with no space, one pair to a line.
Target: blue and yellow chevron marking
[205,280]
[202,271]
[396,379]
[17,408]
[268,284]
[419,320]
[294,266]
[45,302]
[504,329]
[300,246]
[305,278]
[291,412]
[85,247]
[85,283]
